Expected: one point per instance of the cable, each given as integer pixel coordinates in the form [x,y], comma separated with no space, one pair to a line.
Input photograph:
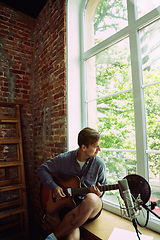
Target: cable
[146,221]
[134,221]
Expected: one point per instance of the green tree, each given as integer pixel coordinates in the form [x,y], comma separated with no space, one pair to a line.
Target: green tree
[115,114]
[152,106]
[111,9]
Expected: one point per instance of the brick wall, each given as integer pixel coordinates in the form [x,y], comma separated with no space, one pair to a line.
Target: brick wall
[49,107]
[33,72]
[16,77]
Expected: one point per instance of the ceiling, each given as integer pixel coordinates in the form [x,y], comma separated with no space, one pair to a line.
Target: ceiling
[31,8]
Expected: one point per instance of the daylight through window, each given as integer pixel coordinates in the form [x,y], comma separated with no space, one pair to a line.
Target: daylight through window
[122,84]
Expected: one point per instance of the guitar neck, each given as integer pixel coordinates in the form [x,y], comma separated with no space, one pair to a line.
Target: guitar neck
[108,187]
[85,190]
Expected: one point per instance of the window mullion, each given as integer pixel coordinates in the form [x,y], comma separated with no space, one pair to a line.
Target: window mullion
[140,129]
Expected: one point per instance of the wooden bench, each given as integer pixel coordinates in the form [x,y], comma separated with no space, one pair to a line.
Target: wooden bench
[103,226]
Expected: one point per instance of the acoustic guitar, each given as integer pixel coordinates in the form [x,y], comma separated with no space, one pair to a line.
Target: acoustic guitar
[71,188]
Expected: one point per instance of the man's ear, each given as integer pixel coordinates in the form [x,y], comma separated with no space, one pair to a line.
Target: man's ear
[83,147]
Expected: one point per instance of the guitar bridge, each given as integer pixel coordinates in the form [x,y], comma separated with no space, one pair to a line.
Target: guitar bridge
[69,190]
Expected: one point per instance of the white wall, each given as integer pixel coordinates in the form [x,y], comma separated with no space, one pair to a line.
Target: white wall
[73,72]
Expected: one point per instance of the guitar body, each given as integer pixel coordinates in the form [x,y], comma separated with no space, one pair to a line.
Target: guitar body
[49,203]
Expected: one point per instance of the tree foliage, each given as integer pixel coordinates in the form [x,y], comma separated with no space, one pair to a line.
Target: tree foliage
[109,9]
[116,113]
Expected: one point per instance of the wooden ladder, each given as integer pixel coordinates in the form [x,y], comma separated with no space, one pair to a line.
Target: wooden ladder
[13,206]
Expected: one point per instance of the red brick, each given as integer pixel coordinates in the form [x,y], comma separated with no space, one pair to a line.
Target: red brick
[37,77]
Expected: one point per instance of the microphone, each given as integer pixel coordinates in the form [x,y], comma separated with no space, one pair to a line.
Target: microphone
[126,196]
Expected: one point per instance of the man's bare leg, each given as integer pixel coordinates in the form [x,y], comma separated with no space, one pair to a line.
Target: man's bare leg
[88,208]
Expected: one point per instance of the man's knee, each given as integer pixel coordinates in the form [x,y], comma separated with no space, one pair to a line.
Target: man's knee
[93,200]
[94,203]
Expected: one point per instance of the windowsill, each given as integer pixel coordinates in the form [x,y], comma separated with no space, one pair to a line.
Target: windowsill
[102,227]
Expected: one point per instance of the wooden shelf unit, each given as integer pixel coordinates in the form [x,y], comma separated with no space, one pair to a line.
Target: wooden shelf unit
[13,205]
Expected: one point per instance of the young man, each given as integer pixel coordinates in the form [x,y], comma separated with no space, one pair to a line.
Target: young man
[90,168]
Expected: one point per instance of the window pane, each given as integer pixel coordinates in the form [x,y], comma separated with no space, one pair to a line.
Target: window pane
[111,110]
[118,165]
[110,71]
[110,96]
[146,6]
[110,17]
[154,180]
[115,117]
[152,105]
[150,52]
[150,49]
[104,20]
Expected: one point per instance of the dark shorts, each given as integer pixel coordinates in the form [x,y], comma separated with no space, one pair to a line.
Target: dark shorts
[65,210]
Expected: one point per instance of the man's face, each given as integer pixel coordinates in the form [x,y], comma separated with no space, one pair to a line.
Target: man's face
[93,149]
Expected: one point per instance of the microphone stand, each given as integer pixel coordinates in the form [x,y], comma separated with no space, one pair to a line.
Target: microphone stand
[148,209]
[124,192]
[137,203]
[135,221]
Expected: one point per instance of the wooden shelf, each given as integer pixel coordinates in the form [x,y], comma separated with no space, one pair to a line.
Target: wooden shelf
[11,140]
[13,184]
[7,119]
[9,204]
[11,187]
[13,224]
[10,104]
[10,212]
[10,164]
[8,159]
[8,182]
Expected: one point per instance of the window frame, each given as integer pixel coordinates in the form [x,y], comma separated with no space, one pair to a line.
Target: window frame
[76,71]
[131,31]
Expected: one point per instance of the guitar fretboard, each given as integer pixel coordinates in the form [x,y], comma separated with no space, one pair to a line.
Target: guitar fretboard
[85,190]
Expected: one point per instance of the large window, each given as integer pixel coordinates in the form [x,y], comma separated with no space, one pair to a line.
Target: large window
[122,84]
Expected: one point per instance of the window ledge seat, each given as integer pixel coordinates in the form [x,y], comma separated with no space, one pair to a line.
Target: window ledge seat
[102,227]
